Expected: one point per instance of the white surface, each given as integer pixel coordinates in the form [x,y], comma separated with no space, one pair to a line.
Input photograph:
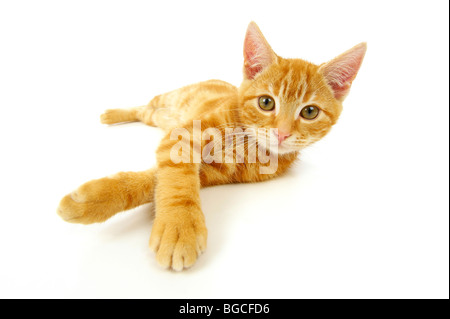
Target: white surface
[363,214]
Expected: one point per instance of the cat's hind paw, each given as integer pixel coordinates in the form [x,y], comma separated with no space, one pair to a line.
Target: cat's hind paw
[113,116]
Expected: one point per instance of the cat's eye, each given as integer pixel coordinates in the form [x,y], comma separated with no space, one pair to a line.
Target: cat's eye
[266,103]
[310,112]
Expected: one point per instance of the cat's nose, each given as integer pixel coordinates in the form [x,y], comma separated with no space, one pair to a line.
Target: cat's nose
[281,136]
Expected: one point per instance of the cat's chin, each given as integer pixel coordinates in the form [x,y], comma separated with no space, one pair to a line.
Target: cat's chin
[282,150]
[279,149]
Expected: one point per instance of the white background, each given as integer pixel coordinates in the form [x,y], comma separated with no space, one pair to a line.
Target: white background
[364,213]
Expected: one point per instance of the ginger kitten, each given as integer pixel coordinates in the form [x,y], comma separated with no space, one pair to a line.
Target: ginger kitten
[228,135]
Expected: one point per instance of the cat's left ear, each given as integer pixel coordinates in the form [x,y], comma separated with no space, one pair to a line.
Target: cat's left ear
[341,71]
[257,52]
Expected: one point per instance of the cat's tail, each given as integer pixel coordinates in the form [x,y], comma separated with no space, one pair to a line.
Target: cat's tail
[100,199]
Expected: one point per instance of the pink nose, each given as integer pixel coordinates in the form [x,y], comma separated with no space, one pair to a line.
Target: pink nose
[282,136]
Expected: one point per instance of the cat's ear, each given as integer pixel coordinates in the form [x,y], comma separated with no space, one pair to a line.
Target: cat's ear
[342,70]
[257,52]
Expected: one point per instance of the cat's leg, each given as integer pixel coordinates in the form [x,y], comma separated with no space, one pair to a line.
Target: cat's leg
[158,112]
[162,117]
[113,116]
[147,113]
[179,233]
[100,199]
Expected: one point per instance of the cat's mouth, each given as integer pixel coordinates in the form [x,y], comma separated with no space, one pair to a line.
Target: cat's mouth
[267,141]
[282,149]
[277,148]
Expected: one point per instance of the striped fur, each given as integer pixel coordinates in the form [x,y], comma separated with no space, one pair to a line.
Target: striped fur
[179,233]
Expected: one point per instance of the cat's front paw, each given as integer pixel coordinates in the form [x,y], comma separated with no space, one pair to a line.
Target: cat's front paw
[93,202]
[178,240]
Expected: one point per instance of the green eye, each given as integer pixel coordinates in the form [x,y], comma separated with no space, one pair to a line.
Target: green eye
[266,103]
[310,112]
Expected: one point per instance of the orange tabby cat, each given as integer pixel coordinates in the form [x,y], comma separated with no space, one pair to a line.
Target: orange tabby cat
[300,100]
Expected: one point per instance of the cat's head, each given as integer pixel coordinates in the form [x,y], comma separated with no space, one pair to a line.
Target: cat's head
[299,99]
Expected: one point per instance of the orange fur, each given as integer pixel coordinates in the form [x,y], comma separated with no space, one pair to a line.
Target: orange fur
[179,233]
